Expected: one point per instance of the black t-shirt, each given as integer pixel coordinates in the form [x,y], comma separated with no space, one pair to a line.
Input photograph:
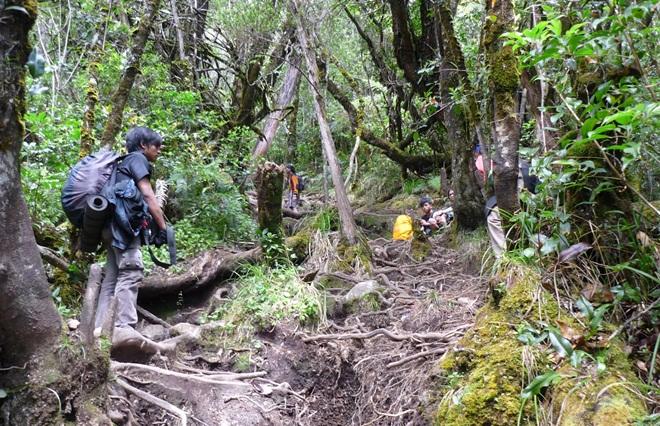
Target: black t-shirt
[134,166]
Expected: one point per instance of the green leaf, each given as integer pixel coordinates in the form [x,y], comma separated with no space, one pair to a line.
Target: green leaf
[555,26]
[588,126]
[560,343]
[549,246]
[585,307]
[576,358]
[584,51]
[600,130]
[597,318]
[621,117]
[542,381]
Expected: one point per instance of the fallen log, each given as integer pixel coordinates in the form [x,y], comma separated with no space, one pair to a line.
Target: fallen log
[50,256]
[205,269]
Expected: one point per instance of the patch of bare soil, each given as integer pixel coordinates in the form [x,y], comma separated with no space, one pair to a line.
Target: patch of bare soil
[361,367]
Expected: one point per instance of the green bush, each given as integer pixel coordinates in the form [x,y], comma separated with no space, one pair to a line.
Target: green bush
[267,296]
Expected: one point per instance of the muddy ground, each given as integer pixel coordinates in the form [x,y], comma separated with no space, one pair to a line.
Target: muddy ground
[372,362]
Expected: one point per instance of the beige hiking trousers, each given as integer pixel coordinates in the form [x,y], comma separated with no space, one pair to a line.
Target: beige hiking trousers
[495,232]
[124,271]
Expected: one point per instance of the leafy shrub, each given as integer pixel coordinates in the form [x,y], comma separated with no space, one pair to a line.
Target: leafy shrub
[208,207]
[267,296]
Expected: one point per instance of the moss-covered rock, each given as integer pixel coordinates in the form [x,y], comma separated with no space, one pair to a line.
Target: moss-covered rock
[491,369]
[491,364]
[605,398]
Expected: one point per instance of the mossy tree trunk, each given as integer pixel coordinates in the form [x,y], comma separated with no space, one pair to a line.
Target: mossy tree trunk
[120,97]
[292,137]
[459,121]
[87,139]
[270,182]
[348,228]
[33,374]
[29,322]
[504,82]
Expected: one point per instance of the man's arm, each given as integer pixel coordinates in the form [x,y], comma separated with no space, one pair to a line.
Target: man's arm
[152,203]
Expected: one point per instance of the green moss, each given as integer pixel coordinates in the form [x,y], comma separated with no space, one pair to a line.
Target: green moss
[354,256]
[600,399]
[504,73]
[299,244]
[31,6]
[420,248]
[492,358]
[489,393]
[492,366]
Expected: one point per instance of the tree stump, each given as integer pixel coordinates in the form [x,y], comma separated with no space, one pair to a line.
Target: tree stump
[269,182]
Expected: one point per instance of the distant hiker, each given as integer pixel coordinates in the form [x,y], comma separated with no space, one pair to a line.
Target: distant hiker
[135,205]
[295,185]
[492,212]
[427,219]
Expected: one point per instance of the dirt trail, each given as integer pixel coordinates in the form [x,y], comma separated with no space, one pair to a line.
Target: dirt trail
[371,363]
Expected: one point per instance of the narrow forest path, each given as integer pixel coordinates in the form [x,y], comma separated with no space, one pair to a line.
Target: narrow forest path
[371,362]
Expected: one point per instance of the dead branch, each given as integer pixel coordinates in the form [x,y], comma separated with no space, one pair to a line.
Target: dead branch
[156,401]
[88,314]
[227,375]
[116,366]
[291,213]
[52,258]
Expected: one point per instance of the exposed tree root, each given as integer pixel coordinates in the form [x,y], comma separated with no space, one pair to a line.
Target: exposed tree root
[206,269]
[153,318]
[156,401]
[386,333]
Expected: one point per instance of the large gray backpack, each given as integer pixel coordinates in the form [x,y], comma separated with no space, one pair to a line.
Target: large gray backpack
[87,179]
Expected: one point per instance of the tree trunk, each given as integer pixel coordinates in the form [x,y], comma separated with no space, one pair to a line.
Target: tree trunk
[289,88]
[292,137]
[536,98]
[29,323]
[120,97]
[404,42]
[269,182]
[348,227]
[504,83]
[459,119]
[87,139]
[32,367]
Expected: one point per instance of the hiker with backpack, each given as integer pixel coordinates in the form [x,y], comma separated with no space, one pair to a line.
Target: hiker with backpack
[136,203]
[432,220]
[295,185]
